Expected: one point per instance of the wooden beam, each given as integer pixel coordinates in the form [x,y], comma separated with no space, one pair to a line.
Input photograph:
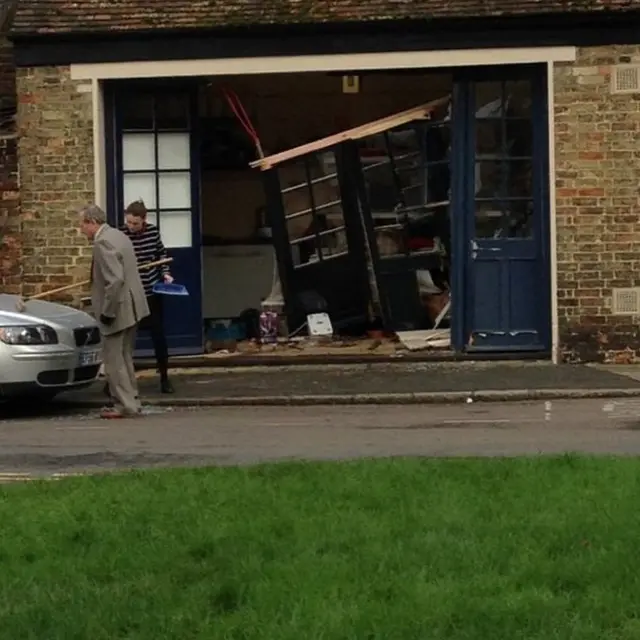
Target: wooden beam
[422,112]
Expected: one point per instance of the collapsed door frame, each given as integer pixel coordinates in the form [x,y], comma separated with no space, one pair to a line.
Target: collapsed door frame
[362,247]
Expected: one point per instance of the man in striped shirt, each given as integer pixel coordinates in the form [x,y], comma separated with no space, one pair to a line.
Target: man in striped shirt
[148,247]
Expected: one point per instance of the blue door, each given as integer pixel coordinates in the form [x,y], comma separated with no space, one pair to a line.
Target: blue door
[501,219]
[155,159]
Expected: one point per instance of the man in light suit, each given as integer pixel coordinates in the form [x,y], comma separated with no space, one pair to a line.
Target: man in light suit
[119,303]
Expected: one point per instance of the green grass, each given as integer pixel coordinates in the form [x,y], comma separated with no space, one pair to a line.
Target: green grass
[503,549]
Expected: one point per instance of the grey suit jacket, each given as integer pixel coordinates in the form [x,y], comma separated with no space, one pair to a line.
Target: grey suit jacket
[116,288]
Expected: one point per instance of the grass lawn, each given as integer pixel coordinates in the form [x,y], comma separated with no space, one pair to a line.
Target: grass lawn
[501,549]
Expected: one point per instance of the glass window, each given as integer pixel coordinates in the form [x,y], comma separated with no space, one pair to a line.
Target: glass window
[175,229]
[504,155]
[140,186]
[408,185]
[138,152]
[156,164]
[136,112]
[172,112]
[175,190]
[174,151]
[313,209]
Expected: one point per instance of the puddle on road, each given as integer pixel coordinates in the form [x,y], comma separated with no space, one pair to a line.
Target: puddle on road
[626,412]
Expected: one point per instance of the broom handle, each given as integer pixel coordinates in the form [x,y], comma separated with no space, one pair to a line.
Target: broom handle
[77,285]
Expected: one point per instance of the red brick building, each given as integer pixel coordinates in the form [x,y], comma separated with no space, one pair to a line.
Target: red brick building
[125,99]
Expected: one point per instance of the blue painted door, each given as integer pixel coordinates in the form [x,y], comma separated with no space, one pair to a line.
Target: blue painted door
[501,204]
[155,160]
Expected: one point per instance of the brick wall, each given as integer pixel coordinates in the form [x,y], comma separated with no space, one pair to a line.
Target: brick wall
[10,232]
[597,170]
[598,221]
[55,122]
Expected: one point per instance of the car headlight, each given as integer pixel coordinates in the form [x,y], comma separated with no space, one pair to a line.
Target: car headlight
[28,334]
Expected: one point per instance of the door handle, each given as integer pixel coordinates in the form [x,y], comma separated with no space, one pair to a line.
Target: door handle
[475,248]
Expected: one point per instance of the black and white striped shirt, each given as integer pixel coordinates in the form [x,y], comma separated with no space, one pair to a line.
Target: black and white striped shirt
[148,247]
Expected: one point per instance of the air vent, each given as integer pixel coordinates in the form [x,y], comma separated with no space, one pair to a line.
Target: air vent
[625,78]
[626,302]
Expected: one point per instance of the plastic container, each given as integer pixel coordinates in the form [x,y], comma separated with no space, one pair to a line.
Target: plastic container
[269,323]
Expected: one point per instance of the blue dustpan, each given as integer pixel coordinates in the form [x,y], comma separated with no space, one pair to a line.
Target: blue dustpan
[173,289]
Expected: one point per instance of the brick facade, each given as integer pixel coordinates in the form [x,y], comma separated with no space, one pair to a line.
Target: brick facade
[55,120]
[597,169]
[597,198]
[10,231]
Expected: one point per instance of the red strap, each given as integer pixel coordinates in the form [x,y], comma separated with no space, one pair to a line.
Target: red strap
[238,110]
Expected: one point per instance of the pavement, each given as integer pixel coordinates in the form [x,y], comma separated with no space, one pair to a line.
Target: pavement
[384,383]
[56,446]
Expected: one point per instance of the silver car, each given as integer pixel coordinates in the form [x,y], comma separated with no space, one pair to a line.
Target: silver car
[47,349]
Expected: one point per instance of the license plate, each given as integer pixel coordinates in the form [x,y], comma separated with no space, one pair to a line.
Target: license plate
[89,358]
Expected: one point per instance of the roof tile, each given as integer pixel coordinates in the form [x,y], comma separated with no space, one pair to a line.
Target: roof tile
[99,16]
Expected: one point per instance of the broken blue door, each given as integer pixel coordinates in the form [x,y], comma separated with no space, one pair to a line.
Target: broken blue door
[154,159]
[501,210]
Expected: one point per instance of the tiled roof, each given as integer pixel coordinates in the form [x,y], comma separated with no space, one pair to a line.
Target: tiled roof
[98,16]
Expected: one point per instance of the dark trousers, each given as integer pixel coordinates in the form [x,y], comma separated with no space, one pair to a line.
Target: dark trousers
[154,323]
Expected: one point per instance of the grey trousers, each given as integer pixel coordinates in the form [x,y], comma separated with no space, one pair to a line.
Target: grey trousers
[117,353]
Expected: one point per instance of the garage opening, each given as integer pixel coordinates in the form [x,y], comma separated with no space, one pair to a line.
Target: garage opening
[308,232]
[312,213]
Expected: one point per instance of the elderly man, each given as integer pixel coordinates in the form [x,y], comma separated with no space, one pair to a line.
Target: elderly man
[119,303]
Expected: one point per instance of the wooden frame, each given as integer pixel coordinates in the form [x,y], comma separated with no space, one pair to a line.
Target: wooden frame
[421,112]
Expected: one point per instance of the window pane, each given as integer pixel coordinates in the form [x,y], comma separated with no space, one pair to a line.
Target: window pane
[333,238]
[519,219]
[502,179]
[140,186]
[519,97]
[499,99]
[488,220]
[136,111]
[327,202]
[172,111]
[173,151]
[138,152]
[302,238]
[175,229]
[507,219]
[334,243]
[382,190]
[489,138]
[152,217]
[390,240]
[520,138]
[332,216]
[519,184]
[489,177]
[175,190]
[300,226]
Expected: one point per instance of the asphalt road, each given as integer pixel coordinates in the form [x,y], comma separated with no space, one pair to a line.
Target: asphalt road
[77,443]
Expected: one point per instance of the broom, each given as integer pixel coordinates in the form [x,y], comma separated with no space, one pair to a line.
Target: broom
[21,304]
